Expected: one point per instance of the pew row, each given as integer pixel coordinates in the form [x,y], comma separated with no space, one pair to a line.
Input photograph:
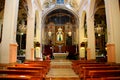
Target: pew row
[39,69]
[85,70]
[19,75]
[97,75]
[45,67]
[110,78]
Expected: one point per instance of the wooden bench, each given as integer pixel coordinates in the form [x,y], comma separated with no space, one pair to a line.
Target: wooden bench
[46,62]
[98,74]
[110,78]
[40,69]
[85,70]
[8,74]
[89,65]
[14,77]
[19,77]
[75,64]
[45,67]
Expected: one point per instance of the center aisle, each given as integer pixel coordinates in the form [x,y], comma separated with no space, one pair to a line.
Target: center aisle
[61,70]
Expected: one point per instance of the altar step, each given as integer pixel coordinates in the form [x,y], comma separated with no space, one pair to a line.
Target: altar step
[63,78]
[61,70]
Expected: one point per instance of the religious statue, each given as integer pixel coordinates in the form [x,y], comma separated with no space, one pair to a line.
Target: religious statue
[59,34]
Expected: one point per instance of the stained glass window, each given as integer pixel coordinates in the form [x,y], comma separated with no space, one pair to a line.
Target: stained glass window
[60,1]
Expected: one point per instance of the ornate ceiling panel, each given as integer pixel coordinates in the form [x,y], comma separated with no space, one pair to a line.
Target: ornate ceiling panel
[72,3]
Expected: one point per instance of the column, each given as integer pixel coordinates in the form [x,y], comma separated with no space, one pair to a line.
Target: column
[91,38]
[39,35]
[8,52]
[30,36]
[38,39]
[81,32]
[40,25]
[113,27]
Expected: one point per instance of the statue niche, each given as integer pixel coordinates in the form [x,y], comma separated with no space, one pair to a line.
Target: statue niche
[59,36]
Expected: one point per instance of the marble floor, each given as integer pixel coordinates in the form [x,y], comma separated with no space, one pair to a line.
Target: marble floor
[61,70]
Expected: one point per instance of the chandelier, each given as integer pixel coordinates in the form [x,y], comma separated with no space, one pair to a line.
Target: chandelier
[99,30]
[22,28]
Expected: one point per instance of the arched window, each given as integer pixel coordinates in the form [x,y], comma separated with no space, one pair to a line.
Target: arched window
[60,1]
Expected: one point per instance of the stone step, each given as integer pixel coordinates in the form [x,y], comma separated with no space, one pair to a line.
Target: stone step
[61,70]
[62,78]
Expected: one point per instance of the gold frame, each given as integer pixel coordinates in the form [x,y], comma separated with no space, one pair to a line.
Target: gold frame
[60,42]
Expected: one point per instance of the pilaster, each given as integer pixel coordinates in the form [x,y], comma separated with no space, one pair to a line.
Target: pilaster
[88,54]
[111,53]
[113,27]
[30,36]
[8,45]
[91,37]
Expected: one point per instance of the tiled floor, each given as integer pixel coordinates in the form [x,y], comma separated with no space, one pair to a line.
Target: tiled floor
[61,70]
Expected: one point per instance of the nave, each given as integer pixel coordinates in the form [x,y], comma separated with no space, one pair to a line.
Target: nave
[61,69]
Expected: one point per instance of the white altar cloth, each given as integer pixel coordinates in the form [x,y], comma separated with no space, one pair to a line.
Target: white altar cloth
[60,55]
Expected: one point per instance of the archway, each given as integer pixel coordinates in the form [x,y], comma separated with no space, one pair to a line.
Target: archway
[2,3]
[60,31]
[100,30]
[83,43]
[21,30]
[119,4]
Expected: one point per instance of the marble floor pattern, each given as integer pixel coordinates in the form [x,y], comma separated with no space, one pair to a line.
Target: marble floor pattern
[61,70]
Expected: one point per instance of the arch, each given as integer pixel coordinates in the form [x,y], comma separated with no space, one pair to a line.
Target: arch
[91,8]
[83,17]
[1,18]
[119,4]
[83,35]
[62,41]
[59,7]
[56,8]
[100,35]
[37,29]
[29,3]
[82,28]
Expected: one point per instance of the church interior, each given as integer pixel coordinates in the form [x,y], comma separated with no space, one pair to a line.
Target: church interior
[59,40]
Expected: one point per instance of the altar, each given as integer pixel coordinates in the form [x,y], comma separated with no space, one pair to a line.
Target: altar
[60,55]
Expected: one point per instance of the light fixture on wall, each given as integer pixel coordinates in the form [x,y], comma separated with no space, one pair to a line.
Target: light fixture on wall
[49,33]
[50,27]
[69,33]
[22,28]
[99,30]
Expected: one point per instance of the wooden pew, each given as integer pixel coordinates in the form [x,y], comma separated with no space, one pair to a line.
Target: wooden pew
[98,74]
[28,74]
[14,77]
[45,67]
[46,62]
[19,77]
[25,72]
[77,65]
[40,69]
[90,65]
[110,78]
[85,70]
